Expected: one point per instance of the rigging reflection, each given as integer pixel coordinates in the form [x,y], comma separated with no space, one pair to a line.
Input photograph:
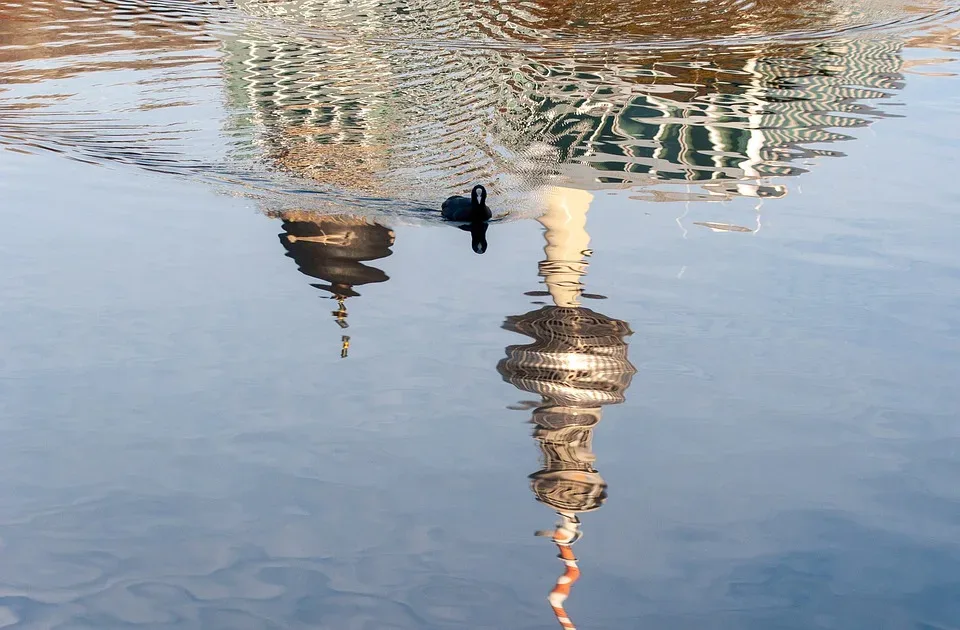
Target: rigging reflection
[577,363]
[334,249]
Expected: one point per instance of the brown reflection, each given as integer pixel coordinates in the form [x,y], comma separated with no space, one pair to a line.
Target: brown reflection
[658,18]
[577,363]
[334,249]
[543,21]
[53,97]
[89,31]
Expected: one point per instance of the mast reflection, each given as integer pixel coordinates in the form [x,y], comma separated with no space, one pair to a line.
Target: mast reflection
[577,363]
[333,249]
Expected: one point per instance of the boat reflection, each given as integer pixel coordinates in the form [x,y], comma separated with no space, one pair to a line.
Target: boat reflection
[577,363]
[333,249]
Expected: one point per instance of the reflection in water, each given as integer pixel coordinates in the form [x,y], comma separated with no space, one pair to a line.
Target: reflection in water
[333,249]
[401,100]
[714,226]
[88,33]
[304,520]
[55,94]
[577,363]
[730,119]
[478,234]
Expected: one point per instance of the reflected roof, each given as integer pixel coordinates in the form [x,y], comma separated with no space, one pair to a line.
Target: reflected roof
[334,248]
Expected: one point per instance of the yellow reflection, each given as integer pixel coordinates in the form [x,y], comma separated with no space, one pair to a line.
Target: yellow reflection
[565,222]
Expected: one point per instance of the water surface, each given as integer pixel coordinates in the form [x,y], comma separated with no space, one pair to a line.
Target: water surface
[249,380]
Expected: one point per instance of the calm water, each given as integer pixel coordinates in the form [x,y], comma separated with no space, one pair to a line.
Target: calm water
[248,379]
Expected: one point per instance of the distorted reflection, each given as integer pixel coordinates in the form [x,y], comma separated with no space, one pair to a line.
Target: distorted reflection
[478,234]
[715,226]
[51,51]
[401,100]
[333,249]
[34,31]
[731,119]
[577,363]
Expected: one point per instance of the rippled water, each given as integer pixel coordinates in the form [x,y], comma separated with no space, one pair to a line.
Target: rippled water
[764,349]
[696,101]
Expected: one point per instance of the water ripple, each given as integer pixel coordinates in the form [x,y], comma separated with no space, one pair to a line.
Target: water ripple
[386,107]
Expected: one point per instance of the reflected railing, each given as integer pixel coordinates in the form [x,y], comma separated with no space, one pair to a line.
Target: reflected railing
[577,363]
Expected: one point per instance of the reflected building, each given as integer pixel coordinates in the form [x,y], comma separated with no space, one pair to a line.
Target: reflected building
[732,123]
[389,102]
[577,363]
[333,249]
[399,99]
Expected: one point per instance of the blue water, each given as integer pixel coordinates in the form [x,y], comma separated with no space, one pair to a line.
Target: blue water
[187,439]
